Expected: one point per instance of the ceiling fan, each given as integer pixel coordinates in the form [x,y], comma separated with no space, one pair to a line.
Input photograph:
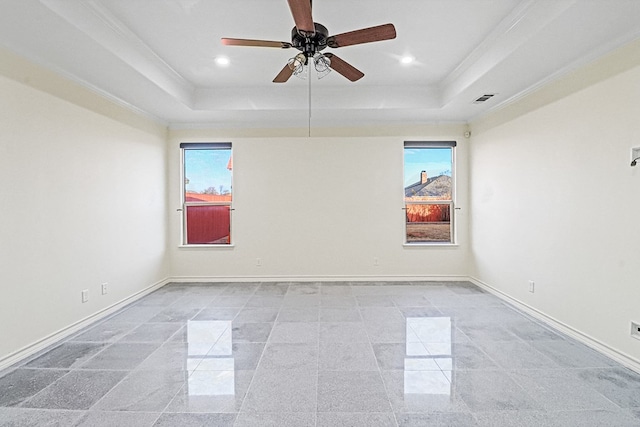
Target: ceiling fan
[310,38]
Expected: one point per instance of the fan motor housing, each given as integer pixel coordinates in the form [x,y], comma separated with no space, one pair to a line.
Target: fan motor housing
[311,44]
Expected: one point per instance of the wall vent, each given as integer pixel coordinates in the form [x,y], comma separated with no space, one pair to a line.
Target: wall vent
[484,98]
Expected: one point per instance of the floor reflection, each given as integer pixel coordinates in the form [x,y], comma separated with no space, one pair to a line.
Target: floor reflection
[210,358]
[428,363]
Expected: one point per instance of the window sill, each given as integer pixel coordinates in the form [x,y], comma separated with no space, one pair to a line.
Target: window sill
[206,246]
[430,245]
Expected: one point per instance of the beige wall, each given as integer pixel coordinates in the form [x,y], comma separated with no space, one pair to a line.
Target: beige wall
[318,208]
[554,200]
[82,202]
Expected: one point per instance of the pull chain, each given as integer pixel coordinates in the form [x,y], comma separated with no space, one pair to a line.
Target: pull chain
[309,78]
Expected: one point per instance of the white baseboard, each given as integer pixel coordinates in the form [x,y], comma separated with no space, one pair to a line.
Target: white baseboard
[345,278]
[55,337]
[620,357]
[63,333]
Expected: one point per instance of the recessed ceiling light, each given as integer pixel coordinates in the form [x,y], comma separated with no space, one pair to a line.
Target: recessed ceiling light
[406,60]
[222,61]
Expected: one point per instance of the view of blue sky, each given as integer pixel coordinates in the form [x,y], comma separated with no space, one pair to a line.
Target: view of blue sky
[435,161]
[207,168]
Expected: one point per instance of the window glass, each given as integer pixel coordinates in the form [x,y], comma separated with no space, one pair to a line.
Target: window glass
[428,192]
[207,193]
[207,174]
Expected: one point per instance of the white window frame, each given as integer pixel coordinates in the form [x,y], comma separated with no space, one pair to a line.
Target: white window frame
[451,202]
[183,229]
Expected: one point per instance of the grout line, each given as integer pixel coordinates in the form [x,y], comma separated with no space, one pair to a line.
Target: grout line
[522,316]
[266,343]
[370,342]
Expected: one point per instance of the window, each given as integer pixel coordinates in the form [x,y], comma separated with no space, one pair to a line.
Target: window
[429,192]
[206,201]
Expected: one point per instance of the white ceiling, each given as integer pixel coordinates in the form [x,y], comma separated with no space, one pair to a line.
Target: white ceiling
[158,56]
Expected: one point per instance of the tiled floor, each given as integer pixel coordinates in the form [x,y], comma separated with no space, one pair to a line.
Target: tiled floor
[320,354]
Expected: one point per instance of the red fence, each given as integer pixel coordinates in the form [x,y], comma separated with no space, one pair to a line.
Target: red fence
[428,213]
[208,224]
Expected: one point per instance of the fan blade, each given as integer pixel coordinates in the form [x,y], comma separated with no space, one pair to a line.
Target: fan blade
[284,74]
[365,35]
[255,43]
[301,11]
[344,68]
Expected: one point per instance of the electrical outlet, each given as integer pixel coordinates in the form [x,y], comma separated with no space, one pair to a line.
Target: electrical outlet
[635,153]
[85,295]
[635,330]
[532,286]
[104,288]
[258,262]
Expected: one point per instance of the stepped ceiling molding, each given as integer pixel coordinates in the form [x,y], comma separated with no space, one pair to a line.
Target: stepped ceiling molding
[159,56]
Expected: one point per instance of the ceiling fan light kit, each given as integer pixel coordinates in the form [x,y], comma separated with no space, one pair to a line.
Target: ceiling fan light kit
[322,64]
[310,38]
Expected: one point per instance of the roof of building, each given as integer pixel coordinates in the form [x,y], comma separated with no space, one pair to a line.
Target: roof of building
[436,187]
[199,197]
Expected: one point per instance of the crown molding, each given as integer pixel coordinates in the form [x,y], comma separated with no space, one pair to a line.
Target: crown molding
[61,84]
[97,22]
[517,28]
[599,66]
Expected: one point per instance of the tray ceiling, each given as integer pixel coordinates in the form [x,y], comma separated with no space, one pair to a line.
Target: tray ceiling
[159,56]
